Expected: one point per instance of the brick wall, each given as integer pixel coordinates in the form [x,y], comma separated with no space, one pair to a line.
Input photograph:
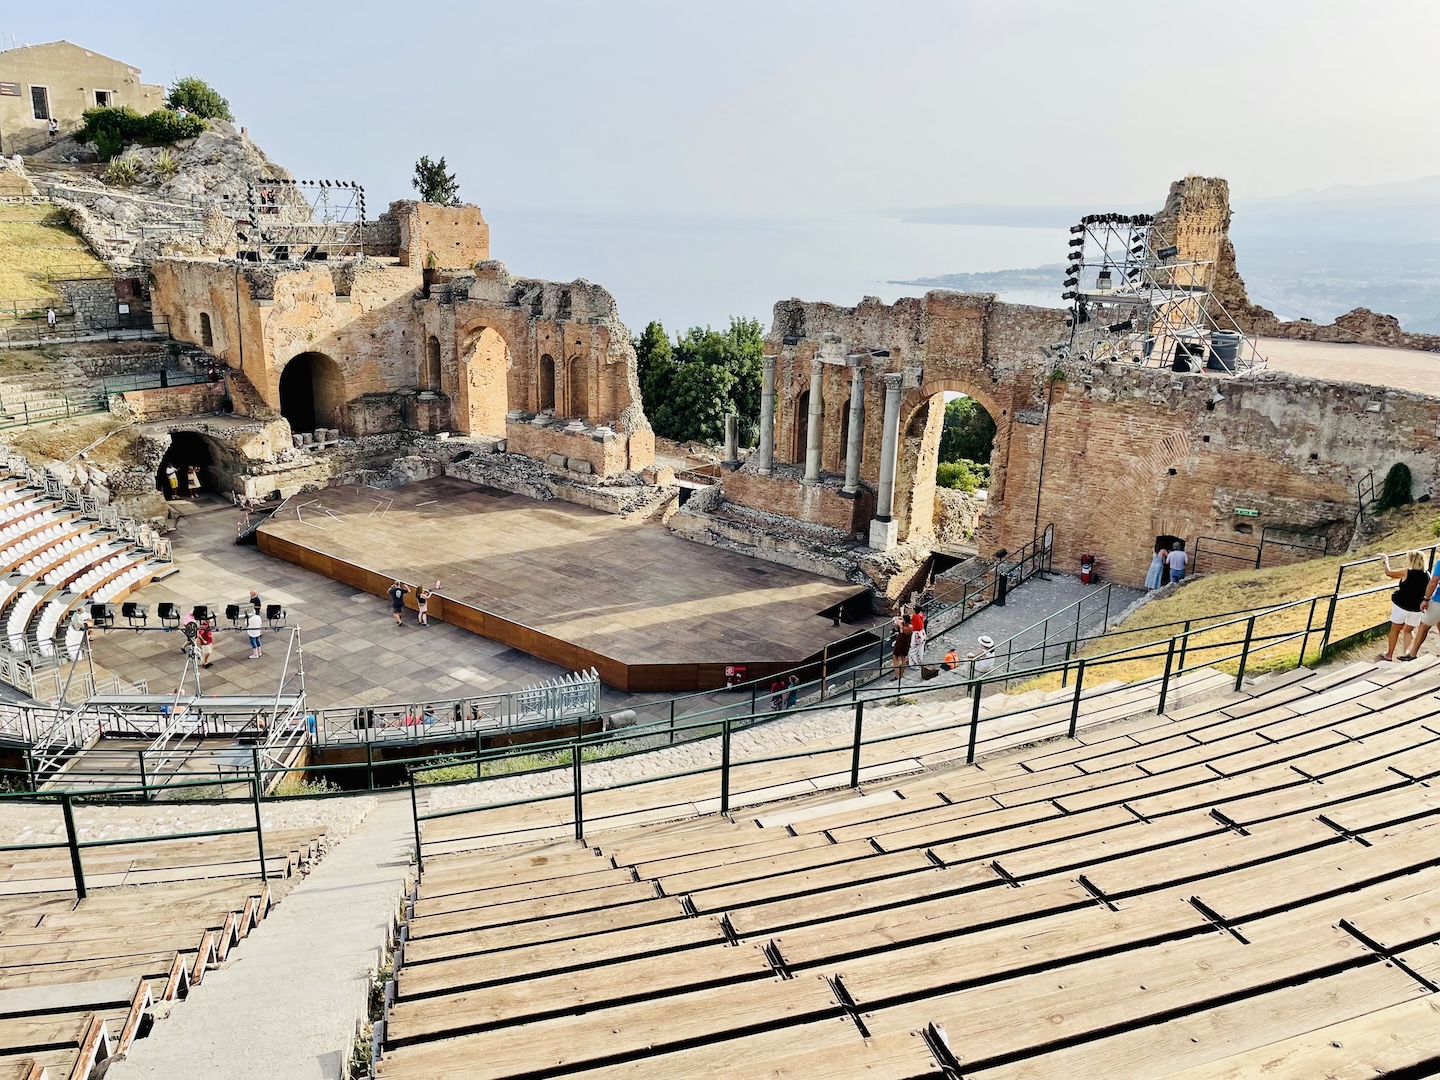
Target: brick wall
[782,493]
[606,457]
[197,399]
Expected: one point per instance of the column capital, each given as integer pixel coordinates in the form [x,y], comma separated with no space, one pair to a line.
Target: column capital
[894,381]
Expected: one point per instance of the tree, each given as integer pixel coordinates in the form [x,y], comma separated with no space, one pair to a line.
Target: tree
[197,97]
[969,432]
[1397,490]
[691,385]
[434,183]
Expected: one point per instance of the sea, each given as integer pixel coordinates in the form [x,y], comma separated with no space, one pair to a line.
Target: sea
[700,270]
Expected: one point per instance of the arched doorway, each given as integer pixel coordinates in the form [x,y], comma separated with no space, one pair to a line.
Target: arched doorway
[546,397]
[207,333]
[188,449]
[484,374]
[312,392]
[577,393]
[948,439]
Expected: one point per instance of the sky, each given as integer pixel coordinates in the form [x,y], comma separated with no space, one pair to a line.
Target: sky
[793,107]
[792,110]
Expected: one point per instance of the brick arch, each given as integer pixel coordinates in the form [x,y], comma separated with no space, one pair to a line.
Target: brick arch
[484,379]
[915,464]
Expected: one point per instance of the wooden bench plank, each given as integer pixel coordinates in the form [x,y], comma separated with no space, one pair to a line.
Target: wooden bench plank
[818,879]
[1216,1033]
[577,925]
[986,831]
[564,954]
[1026,1014]
[524,911]
[1084,853]
[597,1037]
[928,920]
[526,1000]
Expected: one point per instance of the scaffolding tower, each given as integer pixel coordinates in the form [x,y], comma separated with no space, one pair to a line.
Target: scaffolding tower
[1133,302]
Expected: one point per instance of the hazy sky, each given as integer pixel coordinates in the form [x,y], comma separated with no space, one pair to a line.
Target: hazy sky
[782,108]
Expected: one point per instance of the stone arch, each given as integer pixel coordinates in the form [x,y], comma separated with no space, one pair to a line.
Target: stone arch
[484,381]
[545,391]
[215,462]
[922,418]
[430,370]
[207,332]
[312,392]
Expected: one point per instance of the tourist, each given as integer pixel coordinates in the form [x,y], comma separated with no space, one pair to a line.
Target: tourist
[422,603]
[255,601]
[172,481]
[397,601]
[1405,602]
[182,112]
[900,650]
[192,481]
[253,626]
[50,318]
[793,696]
[205,639]
[951,661]
[1158,567]
[1177,561]
[916,658]
[1429,614]
[983,658]
[777,695]
[54,129]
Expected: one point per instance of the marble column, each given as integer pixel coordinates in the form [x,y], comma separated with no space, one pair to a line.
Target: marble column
[884,531]
[815,429]
[856,441]
[765,452]
[732,440]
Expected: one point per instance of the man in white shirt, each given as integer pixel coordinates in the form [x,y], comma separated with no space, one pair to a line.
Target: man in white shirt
[1178,560]
[253,626]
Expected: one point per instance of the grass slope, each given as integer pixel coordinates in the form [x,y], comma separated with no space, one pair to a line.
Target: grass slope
[36,245]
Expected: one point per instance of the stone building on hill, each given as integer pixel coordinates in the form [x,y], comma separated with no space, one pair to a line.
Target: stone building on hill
[60,81]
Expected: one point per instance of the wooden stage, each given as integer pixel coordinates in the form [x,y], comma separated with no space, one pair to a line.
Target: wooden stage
[576,587]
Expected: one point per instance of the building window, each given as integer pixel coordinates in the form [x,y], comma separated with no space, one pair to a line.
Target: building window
[547,383]
[102,99]
[40,102]
[207,335]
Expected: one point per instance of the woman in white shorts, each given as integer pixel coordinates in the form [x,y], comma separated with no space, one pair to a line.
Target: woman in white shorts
[1405,602]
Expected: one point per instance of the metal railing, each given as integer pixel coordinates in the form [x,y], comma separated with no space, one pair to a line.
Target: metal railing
[159,379]
[138,326]
[1242,648]
[1247,555]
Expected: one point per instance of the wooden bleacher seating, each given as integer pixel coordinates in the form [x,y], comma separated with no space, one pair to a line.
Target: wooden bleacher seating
[79,978]
[1227,890]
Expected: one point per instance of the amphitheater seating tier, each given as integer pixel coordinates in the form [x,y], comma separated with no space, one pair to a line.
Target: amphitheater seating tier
[1226,890]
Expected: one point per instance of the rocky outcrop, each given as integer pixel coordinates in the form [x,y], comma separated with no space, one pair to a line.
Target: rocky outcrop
[1360,326]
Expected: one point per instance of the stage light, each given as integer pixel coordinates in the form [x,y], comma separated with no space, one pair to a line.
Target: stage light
[1121,327]
[1077,241]
[169,614]
[232,612]
[1167,253]
[275,614]
[1069,281]
[1077,228]
[103,615]
[201,612]
[135,614]
[1103,282]
[1072,269]
[1068,294]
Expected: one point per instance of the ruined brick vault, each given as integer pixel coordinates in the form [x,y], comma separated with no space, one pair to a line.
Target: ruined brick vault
[438,338]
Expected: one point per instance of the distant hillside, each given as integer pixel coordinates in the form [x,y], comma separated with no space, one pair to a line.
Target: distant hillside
[1038,285]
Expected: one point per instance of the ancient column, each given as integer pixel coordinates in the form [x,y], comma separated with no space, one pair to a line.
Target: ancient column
[884,531]
[815,429]
[765,453]
[732,440]
[856,438]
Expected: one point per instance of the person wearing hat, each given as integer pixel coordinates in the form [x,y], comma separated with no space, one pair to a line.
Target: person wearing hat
[984,659]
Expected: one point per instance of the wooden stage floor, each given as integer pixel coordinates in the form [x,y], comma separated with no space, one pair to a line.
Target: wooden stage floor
[577,587]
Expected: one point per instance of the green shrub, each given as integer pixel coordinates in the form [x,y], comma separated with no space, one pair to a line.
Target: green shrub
[962,475]
[199,97]
[294,785]
[122,171]
[1396,490]
[111,128]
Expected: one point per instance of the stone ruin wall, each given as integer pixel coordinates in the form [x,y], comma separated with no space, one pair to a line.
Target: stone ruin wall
[1136,453]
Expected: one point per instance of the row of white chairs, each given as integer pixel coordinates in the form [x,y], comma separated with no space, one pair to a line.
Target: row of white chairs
[137,570]
[77,562]
[21,548]
[13,516]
